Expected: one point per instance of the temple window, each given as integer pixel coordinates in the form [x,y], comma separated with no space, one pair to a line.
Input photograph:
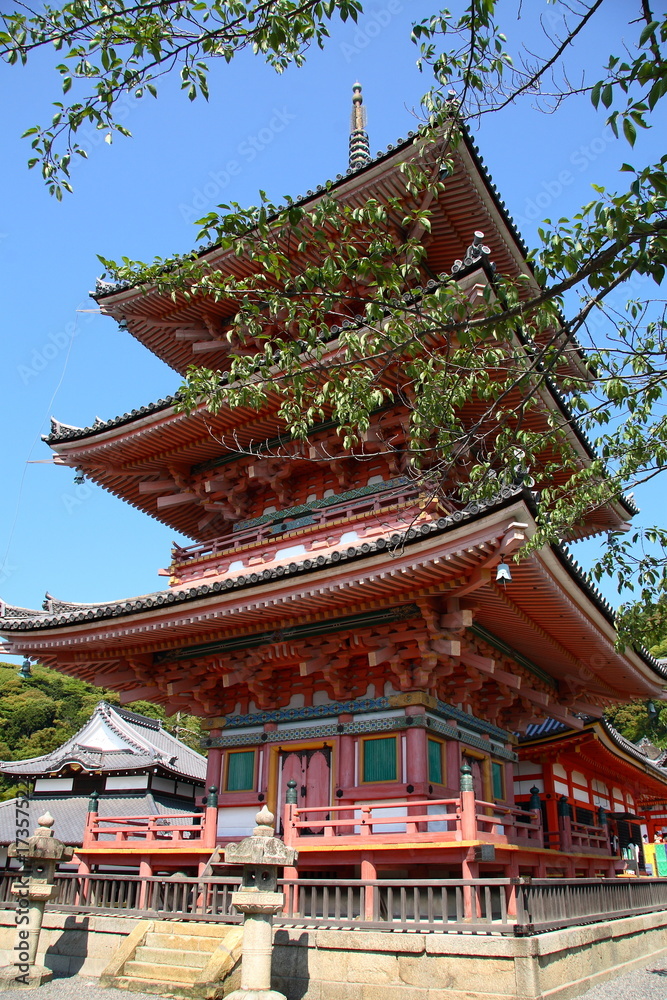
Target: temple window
[379,759]
[240,771]
[498,779]
[436,762]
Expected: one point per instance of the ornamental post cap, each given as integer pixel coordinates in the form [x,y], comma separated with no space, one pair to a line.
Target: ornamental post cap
[265,823]
[46,822]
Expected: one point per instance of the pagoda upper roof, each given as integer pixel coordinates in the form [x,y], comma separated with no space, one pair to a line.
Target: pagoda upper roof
[470,203]
[115,740]
[550,614]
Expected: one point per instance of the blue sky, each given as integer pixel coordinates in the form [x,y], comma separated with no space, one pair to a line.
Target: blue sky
[139,198]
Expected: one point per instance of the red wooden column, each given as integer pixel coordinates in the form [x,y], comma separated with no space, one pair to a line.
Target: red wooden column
[417,750]
[345,778]
[214,763]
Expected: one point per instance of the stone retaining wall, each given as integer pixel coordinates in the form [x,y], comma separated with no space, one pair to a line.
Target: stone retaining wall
[364,965]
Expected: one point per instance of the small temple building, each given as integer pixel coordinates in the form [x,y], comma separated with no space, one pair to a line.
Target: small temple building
[594,785]
[119,764]
[359,659]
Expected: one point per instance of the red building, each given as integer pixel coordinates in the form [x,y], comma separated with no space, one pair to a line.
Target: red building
[596,788]
[336,626]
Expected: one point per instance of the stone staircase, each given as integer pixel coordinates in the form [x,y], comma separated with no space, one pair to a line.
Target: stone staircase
[190,960]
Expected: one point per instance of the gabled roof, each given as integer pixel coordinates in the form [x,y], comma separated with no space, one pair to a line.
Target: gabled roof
[116,740]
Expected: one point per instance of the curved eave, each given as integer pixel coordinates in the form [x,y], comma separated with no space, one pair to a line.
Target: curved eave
[470,202]
[544,614]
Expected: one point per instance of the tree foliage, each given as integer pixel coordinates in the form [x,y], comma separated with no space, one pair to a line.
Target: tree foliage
[316,265]
[40,713]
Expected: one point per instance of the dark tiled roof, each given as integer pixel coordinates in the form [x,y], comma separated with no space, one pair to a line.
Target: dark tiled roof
[549,727]
[145,744]
[69,812]
[64,432]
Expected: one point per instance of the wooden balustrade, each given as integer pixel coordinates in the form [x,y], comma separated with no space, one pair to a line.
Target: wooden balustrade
[435,820]
[186,558]
[418,821]
[508,824]
[157,831]
[478,906]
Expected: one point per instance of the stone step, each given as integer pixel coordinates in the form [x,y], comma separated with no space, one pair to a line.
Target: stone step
[162,973]
[165,956]
[184,942]
[194,928]
[184,990]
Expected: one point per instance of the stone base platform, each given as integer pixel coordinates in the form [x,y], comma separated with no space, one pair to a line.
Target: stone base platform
[312,964]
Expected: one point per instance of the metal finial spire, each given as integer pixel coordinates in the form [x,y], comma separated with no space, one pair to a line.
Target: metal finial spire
[360,150]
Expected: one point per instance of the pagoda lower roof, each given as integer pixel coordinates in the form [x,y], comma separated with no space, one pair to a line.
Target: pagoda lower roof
[549,614]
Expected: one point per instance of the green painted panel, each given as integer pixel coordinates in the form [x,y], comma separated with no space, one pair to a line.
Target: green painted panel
[435,762]
[497,773]
[241,771]
[380,759]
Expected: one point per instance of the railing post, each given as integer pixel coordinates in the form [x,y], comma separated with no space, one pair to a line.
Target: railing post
[289,837]
[468,805]
[290,833]
[145,871]
[535,806]
[564,824]
[90,830]
[210,831]
[368,874]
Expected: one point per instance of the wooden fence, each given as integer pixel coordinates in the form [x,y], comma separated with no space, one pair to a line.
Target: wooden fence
[504,906]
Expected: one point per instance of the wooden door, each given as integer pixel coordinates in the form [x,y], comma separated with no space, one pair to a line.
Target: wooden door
[311,769]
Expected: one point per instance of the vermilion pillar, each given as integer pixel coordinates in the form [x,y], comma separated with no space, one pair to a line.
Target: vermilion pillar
[417,752]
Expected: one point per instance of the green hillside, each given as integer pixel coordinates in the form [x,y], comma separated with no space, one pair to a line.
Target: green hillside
[40,713]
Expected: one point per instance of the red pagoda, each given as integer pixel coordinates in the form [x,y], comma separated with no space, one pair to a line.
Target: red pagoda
[343,634]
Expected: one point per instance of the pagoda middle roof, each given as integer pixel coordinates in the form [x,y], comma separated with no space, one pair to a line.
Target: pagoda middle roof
[550,615]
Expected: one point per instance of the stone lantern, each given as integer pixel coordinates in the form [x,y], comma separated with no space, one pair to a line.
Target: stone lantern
[258,900]
[34,886]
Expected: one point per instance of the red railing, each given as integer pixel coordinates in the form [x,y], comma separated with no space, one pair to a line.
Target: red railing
[157,831]
[348,823]
[186,558]
[432,820]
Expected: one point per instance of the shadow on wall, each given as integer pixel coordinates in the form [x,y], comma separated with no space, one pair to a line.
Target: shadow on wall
[67,954]
[290,965]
